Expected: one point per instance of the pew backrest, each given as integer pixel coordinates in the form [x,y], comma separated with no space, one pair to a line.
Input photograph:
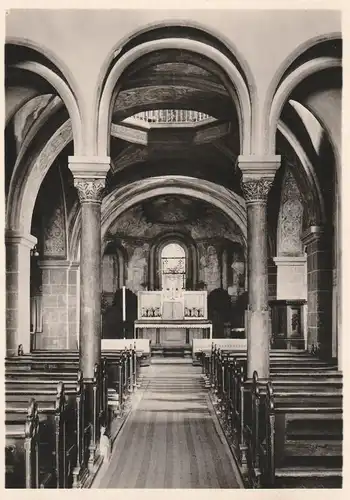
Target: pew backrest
[140,345]
[206,345]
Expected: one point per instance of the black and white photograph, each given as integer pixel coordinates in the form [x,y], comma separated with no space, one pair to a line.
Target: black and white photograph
[173,248]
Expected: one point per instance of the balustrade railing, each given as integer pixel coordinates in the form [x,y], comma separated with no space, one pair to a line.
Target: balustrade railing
[163,116]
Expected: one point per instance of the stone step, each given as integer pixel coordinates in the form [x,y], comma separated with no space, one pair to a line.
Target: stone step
[14,431]
[320,447]
[309,410]
[32,374]
[308,477]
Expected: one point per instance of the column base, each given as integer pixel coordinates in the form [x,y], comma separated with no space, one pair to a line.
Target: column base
[258,326]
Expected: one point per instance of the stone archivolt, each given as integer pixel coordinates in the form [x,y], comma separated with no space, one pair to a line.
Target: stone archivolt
[90,190]
[256,190]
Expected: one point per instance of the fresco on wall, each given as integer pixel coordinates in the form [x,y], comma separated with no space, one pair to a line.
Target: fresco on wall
[54,234]
[137,268]
[210,269]
[290,218]
[138,227]
[236,287]
[110,273]
[147,221]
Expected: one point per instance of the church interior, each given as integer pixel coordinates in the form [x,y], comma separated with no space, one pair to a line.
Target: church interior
[173,249]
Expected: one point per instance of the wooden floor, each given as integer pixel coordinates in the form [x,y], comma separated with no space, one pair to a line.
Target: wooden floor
[172,439]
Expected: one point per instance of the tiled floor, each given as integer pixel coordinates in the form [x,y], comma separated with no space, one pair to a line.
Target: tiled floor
[172,439]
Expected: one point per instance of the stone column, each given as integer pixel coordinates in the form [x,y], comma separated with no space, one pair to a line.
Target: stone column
[258,175]
[89,179]
[319,290]
[18,248]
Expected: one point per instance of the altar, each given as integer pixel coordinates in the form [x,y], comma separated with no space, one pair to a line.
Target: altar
[172,317]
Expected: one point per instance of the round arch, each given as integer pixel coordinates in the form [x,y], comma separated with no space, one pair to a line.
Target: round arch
[288,85]
[191,254]
[67,75]
[25,184]
[181,24]
[103,106]
[124,198]
[288,61]
[65,94]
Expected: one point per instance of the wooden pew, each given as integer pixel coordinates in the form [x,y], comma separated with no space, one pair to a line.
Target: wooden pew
[305,397]
[38,374]
[302,444]
[52,440]
[228,373]
[22,449]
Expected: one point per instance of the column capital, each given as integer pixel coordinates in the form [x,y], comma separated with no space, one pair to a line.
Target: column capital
[89,174]
[14,237]
[312,234]
[258,175]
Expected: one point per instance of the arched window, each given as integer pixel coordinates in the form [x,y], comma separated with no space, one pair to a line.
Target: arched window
[173,267]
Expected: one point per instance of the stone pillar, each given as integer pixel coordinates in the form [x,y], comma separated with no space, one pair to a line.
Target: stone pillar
[18,248]
[319,290]
[89,179]
[258,175]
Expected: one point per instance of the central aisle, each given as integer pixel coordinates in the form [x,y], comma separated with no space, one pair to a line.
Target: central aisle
[172,439]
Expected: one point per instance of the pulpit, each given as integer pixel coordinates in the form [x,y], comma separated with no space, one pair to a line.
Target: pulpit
[172,316]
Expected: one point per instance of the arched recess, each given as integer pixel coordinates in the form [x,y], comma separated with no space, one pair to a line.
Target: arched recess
[189,246]
[111,248]
[110,87]
[124,198]
[309,185]
[315,85]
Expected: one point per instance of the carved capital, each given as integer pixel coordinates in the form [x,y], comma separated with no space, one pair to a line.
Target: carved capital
[258,175]
[90,190]
[89,174]
[256,190]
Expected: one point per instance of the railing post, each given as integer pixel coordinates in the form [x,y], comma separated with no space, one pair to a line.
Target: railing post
[255,420]
[80,428]
[95,419]
[60,451]
[120,381]
[31,433]
[242,447]
[135,366]
[270,434]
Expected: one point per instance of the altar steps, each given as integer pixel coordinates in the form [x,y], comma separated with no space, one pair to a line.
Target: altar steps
[171,351]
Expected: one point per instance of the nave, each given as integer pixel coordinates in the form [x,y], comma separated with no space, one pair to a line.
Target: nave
[171,188]
[172,439]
